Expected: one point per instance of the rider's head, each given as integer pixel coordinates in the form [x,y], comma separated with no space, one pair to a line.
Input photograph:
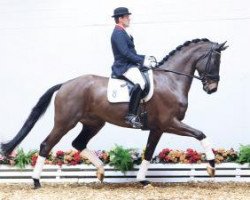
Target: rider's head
[121,16]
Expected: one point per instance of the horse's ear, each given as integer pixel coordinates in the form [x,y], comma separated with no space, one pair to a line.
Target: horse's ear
[221,47]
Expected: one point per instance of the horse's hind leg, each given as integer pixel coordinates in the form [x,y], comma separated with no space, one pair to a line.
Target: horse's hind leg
[182,129]
[81,141]
[58,131]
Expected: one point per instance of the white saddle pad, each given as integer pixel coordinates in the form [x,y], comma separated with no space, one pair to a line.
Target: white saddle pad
[118,91]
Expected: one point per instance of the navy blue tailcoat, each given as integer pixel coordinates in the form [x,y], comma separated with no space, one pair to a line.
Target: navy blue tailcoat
[124,52]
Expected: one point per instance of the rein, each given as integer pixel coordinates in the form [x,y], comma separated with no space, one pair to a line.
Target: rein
[179,73]
[205,74]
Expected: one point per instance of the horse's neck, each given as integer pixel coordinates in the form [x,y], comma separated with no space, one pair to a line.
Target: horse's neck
[183,63]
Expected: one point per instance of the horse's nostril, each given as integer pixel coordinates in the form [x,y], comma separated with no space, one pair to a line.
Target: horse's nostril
[212,91]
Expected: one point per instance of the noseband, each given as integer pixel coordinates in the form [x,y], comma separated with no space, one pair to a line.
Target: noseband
[204,75]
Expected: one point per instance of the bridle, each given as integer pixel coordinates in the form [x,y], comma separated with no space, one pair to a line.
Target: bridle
[204,75]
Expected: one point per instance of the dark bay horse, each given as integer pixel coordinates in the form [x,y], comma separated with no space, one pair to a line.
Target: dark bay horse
[84,99]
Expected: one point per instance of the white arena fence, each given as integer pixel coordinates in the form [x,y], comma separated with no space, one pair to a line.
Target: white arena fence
[157,173]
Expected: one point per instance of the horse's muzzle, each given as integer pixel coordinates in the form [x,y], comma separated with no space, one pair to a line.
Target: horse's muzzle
[210,88]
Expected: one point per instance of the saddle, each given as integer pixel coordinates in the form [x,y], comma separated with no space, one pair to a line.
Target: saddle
[119,88]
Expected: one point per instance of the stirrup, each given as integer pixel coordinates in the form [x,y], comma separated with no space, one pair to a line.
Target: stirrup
[133,120]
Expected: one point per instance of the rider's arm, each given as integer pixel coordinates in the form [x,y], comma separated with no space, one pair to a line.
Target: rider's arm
[120,42]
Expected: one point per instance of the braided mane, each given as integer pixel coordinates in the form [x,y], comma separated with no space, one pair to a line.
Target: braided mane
[187,43]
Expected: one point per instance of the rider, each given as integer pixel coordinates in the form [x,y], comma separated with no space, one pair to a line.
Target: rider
[127,62]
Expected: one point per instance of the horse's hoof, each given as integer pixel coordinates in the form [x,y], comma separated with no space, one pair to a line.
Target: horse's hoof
[149,186]
[37,184]
[211,171]
[100,175]
[146,184]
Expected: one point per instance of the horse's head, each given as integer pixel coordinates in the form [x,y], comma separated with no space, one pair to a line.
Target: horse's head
[208,66]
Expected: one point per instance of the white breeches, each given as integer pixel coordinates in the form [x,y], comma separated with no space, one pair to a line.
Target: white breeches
[134,75]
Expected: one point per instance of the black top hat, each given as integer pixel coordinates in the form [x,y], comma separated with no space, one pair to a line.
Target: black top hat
[120,11]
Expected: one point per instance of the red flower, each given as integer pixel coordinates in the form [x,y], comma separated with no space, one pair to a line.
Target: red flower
[166,151]
[59,153]
[167,158]
[73,162]
[190,150]
[162,155]
[33,160]
[77,157]
[192,156]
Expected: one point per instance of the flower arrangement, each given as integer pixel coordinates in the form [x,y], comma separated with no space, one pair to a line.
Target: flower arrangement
[71,157]
[124,159]
[103,156]
[177,156]
[222,155]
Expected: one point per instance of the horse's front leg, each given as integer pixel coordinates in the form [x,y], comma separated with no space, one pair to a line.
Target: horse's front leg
[153,139]
[182,129]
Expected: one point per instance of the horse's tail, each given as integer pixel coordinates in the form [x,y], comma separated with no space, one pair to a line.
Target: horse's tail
[36,113]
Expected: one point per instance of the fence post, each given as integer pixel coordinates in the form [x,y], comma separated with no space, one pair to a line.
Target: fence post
[58,173]
[192,173]
[237,173]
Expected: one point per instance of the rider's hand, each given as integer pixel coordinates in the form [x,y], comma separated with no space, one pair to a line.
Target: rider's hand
[153,61]
[149,61]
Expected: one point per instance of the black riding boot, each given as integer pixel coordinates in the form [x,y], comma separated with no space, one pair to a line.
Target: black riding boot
[135,98]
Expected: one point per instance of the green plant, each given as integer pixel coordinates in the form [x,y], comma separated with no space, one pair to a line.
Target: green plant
[244,154]
[22,159]
[121,159]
